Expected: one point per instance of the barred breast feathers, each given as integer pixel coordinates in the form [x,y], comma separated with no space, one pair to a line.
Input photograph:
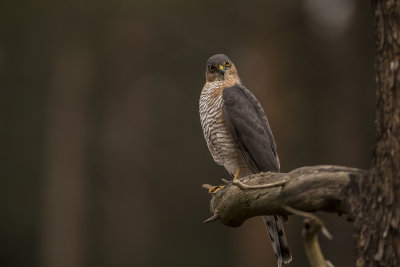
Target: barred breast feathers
[219,141]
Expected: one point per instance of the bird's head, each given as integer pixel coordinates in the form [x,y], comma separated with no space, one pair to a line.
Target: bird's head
[220,68]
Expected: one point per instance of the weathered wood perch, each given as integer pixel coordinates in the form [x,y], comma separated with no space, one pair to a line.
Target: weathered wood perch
[307,189]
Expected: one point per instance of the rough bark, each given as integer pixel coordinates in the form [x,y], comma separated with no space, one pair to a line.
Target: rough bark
[376,201]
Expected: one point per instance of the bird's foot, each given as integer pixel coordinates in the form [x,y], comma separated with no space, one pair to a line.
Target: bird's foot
[215,189]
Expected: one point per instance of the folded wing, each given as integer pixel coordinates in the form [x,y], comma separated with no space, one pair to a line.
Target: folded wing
[248,126]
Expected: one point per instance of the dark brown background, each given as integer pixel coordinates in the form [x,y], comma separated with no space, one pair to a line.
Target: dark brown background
[102,153]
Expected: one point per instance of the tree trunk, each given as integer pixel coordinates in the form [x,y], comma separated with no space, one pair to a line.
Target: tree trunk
[377,203]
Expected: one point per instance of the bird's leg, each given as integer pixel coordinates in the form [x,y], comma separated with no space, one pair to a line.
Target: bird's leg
[236,174]
[216,188]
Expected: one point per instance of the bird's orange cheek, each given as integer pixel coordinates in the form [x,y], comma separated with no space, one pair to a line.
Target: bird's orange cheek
[210,77]
[231,80]
[217,92]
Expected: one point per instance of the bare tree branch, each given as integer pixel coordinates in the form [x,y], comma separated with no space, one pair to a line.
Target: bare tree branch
[311,244]
[305,189]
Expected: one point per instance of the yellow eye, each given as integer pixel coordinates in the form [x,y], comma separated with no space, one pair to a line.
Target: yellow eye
[227,64]
[212,68]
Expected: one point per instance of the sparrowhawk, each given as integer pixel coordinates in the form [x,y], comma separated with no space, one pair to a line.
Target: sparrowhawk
[238,135]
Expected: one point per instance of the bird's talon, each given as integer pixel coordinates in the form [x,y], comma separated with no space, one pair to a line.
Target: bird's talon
[215,189]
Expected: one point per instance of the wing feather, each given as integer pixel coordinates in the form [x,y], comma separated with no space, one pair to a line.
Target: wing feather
[248,126]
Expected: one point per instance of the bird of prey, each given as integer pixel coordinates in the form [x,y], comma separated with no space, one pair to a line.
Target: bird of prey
[238,135]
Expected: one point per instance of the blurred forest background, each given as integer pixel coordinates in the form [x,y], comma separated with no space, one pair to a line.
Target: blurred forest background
[102,153]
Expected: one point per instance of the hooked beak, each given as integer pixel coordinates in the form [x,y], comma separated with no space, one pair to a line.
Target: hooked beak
[221,70]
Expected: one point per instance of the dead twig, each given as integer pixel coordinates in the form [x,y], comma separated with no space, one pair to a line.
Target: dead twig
[312,226]
[244,186]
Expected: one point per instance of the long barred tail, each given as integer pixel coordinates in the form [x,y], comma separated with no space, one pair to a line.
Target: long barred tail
[278,239]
